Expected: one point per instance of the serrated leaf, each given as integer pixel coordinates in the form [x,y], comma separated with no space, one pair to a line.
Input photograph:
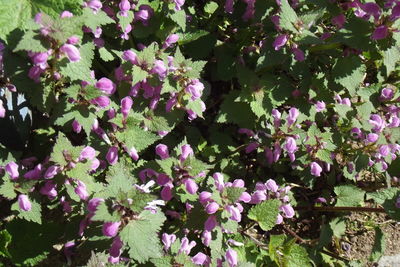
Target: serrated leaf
[349,72]
[137,137]
[80,70]
[391,57]
[105,55]
[31,42]
[324,155]
[141,236]
[105,214]
[265,213]
[138,74]
[5,239]
[34,215]
[349,195]
[191,36]
[62,148]
[94,20]
[232,194]
[288,17]
[7,188]
[179,17]
[295,255]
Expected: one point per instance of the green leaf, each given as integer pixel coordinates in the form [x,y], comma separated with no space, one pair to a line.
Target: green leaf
[349,72]
[324,155]
[232,194]
[14,14]
[5,239]
[7,188]
[80,70]
[265,213]
[137,137]
[210,7]
[105,55]
[94,20]
[119,178]
[391,57]
[62,148]
[196,107]
[191,36]
[338,227]
[138,74]
[179,17]
[379,245]
[141,236]
[105,213]
[30,42]
[295,255]
[85,115]
[349,195]
[34,215]
[288,17]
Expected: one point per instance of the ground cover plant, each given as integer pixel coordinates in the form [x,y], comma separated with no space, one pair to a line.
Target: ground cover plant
[198,133]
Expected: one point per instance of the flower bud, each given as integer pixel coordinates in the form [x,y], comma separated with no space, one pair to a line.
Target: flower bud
[162,151]
[126,105]
[372,137]
[293,114]
[49,189]
[210,223]
[76,126]
[168,240]
[130,56]
[186,151]
[288,210]
[191,186]
[87,153]
[12,170]
[116,246]
[110,229]
[112,155]
[231,257]
[102,101]
[320,106]
[106,85]
[315,169]
[81,191]
[71,51]
[94,203]
[24,203]
[212,207]
[199,259]
[272,186]
[51,171]
[280,41]
[171,39]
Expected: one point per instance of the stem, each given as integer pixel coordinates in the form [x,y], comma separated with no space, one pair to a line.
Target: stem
[342,209]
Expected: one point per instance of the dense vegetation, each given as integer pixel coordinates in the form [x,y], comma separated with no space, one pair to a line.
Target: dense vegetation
[181,133]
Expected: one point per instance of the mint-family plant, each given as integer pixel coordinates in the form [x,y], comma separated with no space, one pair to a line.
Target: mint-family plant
[195,133]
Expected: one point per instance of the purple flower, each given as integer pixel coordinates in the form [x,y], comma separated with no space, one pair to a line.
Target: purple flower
[112,155]
[24,203]
[171,39]
[133,153]
[251,147]
[81,191]
[380,33]
[212,207]
[200,258]
[186,151]
[210,223]
[371,9]
[95,5]
[124,6]
[162,151]
[71,51]
[87,153]
[126,105]
[168,240]
[229,6]
[2,110]
[290,145]
[386,94]
[102,101]
[320,106]
[76,126]
[191,186]
[94,203]
[231,257]
[49,189]
[204,196]
[160,69]
[131,56]
[66,14]
[272,186]
[339,21]
[245,197]
[235,213]
[106,85]
[206,238]
[372,137]
[110,229]
[395,12]
[315,169]
[377,122]
[186,246]
[116,246]
[293,114]
[51,171]
[298,54]
[12,170]
[179,4]
[280,41]
[258,197]
[279,219]
[287,210]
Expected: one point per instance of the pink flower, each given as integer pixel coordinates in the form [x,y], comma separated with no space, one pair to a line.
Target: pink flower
[315,169]
[280,41]
[106,85]
[12,170]
[186,151]
[212,207]
[171,39]
[380,33]
[231,257]
[110,229]
[126,105]
[71,51]
[112,155]
[24,203]
[162,151]
[191,186]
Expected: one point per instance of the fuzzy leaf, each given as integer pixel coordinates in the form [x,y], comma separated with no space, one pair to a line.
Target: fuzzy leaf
[265,213]
[349,195]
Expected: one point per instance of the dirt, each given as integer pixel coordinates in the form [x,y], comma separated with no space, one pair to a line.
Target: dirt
[360,234]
